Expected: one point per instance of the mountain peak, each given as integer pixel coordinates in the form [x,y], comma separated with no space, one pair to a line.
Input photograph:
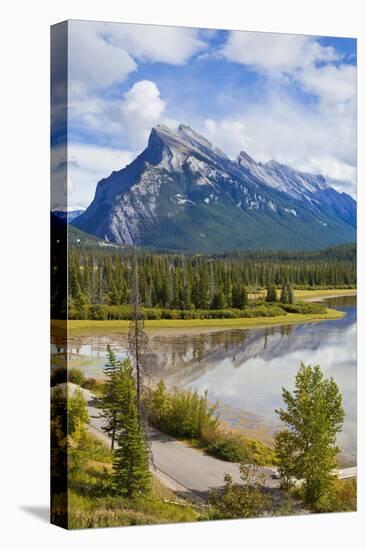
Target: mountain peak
[182,142]
[273,164]
[183,193]
[244,159]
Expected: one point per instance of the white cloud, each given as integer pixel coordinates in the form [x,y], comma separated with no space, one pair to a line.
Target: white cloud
[101,54]
[95,63]
[174,45]
[276,52]
[319,136]
[320,140]
[330,83]
[88,164]
[127,120]
[141,109]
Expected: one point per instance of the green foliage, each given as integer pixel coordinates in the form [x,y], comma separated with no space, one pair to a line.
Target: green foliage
[159,404]
[237,448]
[114,402]
[87,512]
[314,415]
[131,463]
[240,501]
[189,415]
[341,496]
[59,461]
[271,295]
[122,424]
[91,384]
[76,376]
[284,295]
[183,414]
[92,501]
[290,294]
[287,294]
[218,300]
[239,296]
[77,414]
[304,308]
[116,313]
[100,279]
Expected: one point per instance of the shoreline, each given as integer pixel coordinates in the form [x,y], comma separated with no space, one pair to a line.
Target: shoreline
[194,325]
[75,326]
[246,423]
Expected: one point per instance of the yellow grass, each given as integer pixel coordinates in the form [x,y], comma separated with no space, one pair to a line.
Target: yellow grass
[308,294]
[290,318]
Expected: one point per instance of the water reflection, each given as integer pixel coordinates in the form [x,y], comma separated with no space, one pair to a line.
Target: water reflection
[245,369]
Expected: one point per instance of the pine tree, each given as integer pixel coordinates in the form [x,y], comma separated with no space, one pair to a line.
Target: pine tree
[271,294]
[284,297]
[132,477]
[218,300]
[290,294]
[239,296]
[112,401]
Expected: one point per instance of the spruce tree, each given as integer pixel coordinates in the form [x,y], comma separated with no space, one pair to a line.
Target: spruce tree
[112,401]
[271,294]
[218,300]
[132,477]
[284,297]
[290,294]
[239,296]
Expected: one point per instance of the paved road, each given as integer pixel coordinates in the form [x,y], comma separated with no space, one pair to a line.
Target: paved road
[186,470]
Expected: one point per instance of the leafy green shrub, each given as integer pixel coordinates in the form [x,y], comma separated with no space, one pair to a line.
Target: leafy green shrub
[184,414]
[240,501]
[341,496]
[237,448]
[228,447]
[106,312]
[304,308]
[76,376]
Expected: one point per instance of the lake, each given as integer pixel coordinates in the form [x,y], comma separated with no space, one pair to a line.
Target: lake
[244,369]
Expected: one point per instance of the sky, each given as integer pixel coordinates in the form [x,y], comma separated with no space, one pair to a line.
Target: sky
[286,97]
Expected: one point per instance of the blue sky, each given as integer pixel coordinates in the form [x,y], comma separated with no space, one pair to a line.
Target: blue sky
[287,97]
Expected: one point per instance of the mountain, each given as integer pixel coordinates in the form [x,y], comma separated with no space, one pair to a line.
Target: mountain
[68,214]
[182,193]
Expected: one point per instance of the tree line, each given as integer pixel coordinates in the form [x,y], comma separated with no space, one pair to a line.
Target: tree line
[184,282]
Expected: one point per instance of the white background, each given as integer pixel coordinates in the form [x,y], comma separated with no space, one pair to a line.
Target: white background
[24,126]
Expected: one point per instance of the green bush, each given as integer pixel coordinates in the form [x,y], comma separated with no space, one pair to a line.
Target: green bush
[106,312]
[228,447]
[76,376]
[237,448]
[305,308]
[183,414]
[240,501]
[340,497]
[186,414]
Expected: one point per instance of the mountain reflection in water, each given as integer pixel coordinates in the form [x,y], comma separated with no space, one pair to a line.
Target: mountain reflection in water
[245,369]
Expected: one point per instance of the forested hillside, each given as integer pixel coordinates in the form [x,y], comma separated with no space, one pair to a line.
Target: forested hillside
[186,282]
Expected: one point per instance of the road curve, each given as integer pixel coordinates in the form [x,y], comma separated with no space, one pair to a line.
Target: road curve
[186,470]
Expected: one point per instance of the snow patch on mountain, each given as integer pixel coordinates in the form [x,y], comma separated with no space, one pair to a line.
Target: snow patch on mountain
[180,168]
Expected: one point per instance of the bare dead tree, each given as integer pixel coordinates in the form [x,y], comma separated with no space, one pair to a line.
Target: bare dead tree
[137,336]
